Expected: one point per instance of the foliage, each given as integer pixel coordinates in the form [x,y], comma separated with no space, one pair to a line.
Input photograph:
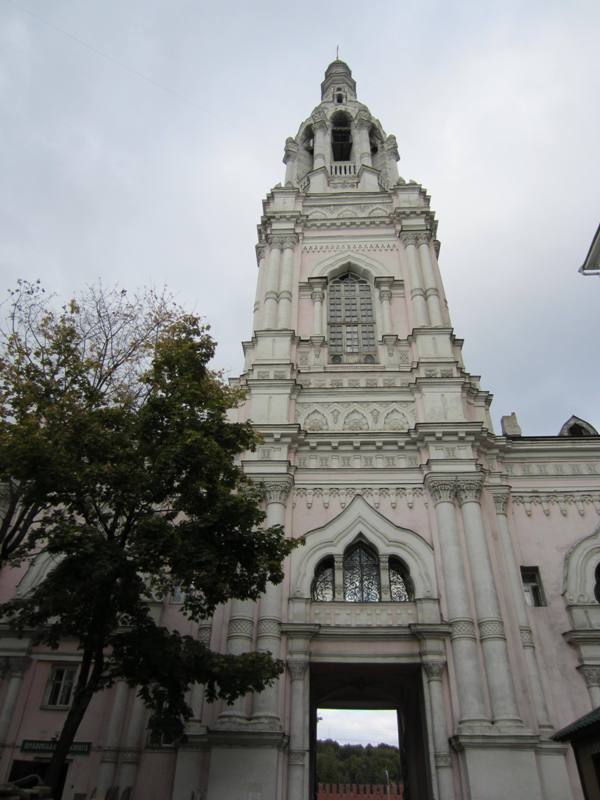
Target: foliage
[118,461]
[355,763]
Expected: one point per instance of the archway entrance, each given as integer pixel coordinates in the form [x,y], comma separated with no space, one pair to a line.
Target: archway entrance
[377,686]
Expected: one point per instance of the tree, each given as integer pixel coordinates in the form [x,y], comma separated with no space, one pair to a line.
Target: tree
[120,464]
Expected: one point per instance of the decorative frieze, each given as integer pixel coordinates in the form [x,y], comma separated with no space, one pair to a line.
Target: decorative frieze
[364,615]
[297,757]
[526,468]
[374,495]
[356,460]
[269,627]
[338,382]
[356,416]
[241,627]
[355,247]
[462,629]
[561,501]
[526,636]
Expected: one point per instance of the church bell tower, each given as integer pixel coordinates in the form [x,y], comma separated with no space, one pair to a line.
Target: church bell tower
[378,449]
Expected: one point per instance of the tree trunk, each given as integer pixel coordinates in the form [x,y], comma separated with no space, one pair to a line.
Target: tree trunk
[81,699]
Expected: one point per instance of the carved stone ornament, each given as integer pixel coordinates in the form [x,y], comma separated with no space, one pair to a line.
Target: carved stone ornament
[422,238]
[408,238]
[501,502]
[297,757]
[591,674]
[434,670]
[462,629]
[204,632]
[277,491]
[269,627]
[297,668]
[441,490]
[468,490]
[491,629]
[526,636]
[282,240]
[442,759]
[241,627]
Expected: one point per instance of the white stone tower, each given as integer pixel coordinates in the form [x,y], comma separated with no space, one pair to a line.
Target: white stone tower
[377,447]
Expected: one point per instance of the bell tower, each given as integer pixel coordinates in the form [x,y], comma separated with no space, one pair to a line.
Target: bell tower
[378,449]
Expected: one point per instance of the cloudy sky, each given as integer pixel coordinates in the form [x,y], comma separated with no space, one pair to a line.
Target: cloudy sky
[137,140]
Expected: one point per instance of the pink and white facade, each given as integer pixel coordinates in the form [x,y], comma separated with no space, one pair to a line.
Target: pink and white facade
[448,572]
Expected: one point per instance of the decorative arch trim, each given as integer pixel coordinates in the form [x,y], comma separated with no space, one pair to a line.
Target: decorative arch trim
[362,265]
[389,539]
[580,564]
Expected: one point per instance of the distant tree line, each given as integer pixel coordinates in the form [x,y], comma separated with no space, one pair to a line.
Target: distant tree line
[355,763]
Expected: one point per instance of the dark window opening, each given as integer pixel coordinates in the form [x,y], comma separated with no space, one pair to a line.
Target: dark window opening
[577,430]
[351,321]
[532,586]
[597,583]
[339,98]
[341,137]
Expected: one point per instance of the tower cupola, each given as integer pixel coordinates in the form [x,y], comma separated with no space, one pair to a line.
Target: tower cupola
[339,86]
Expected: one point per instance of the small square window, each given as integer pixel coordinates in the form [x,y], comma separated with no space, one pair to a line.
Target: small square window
[532,586]
[59,691]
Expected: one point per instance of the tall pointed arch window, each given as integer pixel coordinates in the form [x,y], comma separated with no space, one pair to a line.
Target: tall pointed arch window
[350,320]
[361,575]
[401,586]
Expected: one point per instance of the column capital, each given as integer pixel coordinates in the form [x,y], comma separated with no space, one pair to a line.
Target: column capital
[297,668]
[468,489]
[423,239]
[434,670]
[500,495]
[15,665]
[441,489]
[591,673]
[283,241]
[408,238]
[277,489]
[260,249]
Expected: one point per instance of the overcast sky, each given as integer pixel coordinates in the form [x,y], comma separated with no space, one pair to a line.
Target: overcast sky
[138,139]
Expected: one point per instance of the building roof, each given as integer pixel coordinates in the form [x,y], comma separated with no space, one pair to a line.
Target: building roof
[584,726]
[591,265]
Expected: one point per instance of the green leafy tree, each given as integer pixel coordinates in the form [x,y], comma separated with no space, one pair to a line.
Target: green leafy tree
[118,461]
[355,763]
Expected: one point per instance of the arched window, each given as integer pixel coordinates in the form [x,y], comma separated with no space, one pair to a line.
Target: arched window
[351,322]
[361,575]
[323,585]
[401,586]
[341,137]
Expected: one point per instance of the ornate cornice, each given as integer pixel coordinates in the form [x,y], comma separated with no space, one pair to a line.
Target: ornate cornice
[563,501]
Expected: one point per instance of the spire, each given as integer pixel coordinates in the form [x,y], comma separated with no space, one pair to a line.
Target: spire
[338,76]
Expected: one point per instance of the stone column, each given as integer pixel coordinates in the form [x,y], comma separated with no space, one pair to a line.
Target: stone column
[431,290]
[266,704]
[443,763]
[317,296]
[270,312]
[290,159]
[132,745]
[321,143]
[260,281]
[338,577]
[363,145]
[385,297]
[112,740]
[14,670]
[391,159]
[196,698]
[298,752]
[464,643]
[284,314]
[515,587]
[384,572]
[591,673]
[491,626]
[417,292]
[239,640]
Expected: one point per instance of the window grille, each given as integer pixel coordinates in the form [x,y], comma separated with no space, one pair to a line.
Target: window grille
[351,320]
[361,575]
[401,588]
[323,586]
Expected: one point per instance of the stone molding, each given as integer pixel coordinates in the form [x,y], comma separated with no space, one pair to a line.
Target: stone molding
[462,629]
[356,416]
[442,759]
[369,247]
[282,241]
[297,757]
[491,629]
[500,497]
[468,490]
[110,755]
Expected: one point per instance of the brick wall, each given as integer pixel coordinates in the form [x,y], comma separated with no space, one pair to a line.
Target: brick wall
[354,791]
